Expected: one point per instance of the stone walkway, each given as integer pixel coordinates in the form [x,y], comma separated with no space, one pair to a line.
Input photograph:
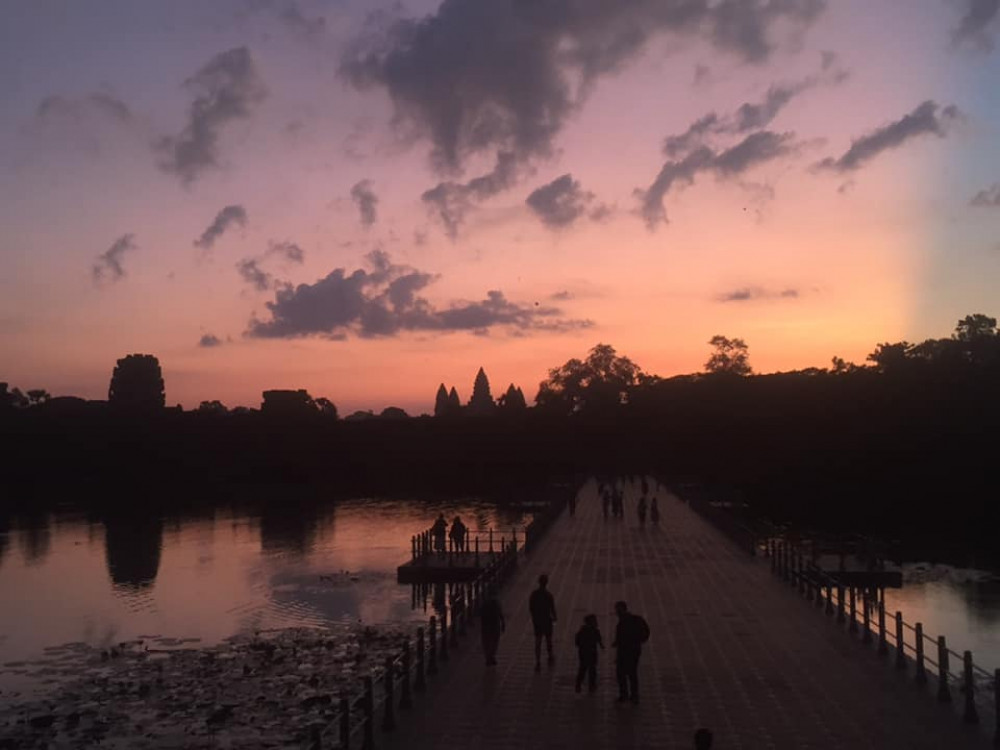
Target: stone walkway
[732,649]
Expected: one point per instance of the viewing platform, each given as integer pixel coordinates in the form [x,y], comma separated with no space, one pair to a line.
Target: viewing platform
[429,564]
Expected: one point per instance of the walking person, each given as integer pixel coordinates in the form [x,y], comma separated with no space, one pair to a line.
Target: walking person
[492,625]
[641,507]
[630,633]
[654,512]
[588,639]
[605,503]
[542,606]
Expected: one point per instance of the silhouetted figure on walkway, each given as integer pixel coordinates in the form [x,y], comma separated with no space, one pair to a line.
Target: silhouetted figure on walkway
[641,508]
[618,503]
[703,739]
[439,531]
[588,639]
[605,503]
[630,633]
[654,513]
[457,535]
[542,606]
[493,624]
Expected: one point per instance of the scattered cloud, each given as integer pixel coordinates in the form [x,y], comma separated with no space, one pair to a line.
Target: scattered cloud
[234,214]
[252,273]
[451,201]
[286,250]
[751,293]
[751,116]
[385,301]
[227,88]
[979,23]
[702,75]
[109,265]
[561,202]
[366,201]
[755,149]
[297,22]
[988,198]
[52,107]
[208,341]
[563,296]
[927,119]
[480,77]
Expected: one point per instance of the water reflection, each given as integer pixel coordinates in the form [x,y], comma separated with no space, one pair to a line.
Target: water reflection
[35,537]
[132,545]
[288,529]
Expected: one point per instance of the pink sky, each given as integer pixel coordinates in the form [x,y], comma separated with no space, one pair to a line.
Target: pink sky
[889,243]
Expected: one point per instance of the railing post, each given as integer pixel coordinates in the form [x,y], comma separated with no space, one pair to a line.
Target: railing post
[454,629]
[443,650]
[369,728]
[491,540]
[883,646]
[970,715]
[345,721]
[477,550]
[866,636]
[900,642]
[996,707]
[921,674]
[432,662]
[841,615]
[405,699]
[389,687]
[944,693]
[853,627]
[419,682]
[829,597]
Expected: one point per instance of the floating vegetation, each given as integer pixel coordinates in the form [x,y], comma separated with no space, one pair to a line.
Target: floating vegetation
[267,689]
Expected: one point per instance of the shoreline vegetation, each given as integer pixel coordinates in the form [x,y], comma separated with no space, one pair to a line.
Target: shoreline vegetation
[900,448]
[262,689]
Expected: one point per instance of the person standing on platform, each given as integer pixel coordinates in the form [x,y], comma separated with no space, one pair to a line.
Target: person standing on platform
[630,633]
[457,535]
[542,606]
[588,639]
[439,531]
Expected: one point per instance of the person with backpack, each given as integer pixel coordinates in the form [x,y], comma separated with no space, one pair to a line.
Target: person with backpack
[630,633]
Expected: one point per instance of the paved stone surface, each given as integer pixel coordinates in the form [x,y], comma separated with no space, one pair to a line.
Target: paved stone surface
[732,649]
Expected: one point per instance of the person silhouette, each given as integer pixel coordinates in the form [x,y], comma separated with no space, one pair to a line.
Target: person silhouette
[457,535]
[492,625]
[439,532]
[641,508]
[588,639]
[630,633]
[542,606]
[703,739]
[654,513]
[605,503]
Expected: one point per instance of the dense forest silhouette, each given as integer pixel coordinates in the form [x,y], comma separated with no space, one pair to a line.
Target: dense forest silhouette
[901,446]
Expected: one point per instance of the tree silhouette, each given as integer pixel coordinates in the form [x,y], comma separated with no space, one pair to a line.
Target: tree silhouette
[284,403]
[599,383]
[481,403]
[38,396]
[393,412]
[137,384]
[441,404]
[212,407]
[731,357]
[892,358]
[11,398]
[975,327]
[326,407]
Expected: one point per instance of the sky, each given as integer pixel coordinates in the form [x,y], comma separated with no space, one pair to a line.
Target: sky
[367,199]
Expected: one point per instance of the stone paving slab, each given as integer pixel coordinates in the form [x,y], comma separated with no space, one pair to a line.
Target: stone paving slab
[732,649]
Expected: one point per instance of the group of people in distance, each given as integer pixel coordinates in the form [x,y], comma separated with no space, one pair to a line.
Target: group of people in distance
[458,533]
[630,633]
[613,502]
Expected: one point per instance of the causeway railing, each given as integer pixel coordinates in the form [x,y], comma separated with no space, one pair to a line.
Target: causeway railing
[862,612]
[391,688]
[489,542]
